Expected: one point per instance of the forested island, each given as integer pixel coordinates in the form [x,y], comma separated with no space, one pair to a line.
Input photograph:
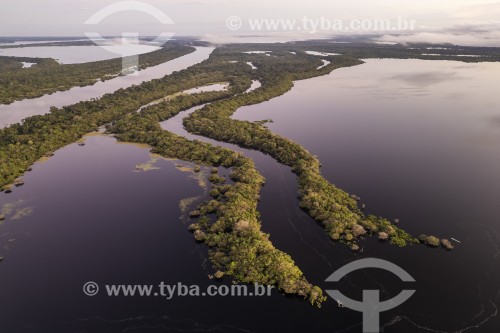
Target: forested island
[229,224]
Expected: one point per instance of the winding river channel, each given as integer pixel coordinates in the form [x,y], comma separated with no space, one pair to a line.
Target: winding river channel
[416,140]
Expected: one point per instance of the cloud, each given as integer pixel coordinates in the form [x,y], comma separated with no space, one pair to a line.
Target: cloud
[465,35]
[485,11]
[477,25]
[273,37]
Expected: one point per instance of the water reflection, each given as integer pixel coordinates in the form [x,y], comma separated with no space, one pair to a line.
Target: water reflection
[416,140]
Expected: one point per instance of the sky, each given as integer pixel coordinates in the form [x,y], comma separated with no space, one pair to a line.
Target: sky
[466,22]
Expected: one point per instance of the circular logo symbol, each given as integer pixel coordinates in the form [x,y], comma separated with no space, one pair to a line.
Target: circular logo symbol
[234,23]
[90,288]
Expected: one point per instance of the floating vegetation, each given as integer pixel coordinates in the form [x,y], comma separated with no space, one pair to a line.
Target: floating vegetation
[185,203]
[196,173]
[15,211]
[148,166]
[184,168]
[22,213]
[9,207]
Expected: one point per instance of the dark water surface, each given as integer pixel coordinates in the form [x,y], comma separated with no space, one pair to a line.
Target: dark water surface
[416,140]
[419,141]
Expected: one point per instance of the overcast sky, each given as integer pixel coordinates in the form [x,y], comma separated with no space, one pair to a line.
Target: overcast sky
[458,21]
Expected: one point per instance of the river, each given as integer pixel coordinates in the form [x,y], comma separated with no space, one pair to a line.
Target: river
[417,140]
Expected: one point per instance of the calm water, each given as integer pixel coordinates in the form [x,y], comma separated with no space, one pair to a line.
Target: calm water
[416,140]
[78,54]
[17,111]
[90,219]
